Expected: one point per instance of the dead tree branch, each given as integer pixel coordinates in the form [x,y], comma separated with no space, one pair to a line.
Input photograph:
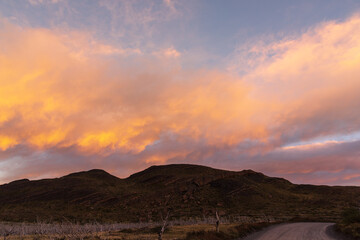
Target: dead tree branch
[217,222]
[164,226]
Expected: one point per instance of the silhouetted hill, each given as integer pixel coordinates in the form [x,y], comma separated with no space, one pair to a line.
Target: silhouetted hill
[190,191]
[96,174]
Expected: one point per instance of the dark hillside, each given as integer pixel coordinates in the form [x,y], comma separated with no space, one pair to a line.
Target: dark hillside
[190,191]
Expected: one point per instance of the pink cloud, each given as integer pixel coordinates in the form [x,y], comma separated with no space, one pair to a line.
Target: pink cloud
[63,94]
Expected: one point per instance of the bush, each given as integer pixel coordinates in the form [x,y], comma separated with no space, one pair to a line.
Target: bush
[350,223]
[351,215]
[228,233]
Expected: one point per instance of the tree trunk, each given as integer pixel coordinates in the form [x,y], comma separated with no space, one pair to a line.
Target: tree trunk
[217,222]
[164,226]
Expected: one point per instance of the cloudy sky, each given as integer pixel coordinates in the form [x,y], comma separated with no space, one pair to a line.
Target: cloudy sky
[121,85]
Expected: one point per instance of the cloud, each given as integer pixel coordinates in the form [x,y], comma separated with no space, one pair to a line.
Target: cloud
[170,52]
[317,78]
[310,79]
[39,2]
[139,23]
[329,163]
[172,5]
[51,98]
[68,95]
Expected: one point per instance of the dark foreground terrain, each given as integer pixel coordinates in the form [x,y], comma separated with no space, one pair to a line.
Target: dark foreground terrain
[187,191]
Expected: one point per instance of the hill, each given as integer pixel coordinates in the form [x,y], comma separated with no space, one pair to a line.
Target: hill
[190,191]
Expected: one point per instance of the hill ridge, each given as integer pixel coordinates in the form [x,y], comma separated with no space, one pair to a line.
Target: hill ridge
[90,173]
[192,191]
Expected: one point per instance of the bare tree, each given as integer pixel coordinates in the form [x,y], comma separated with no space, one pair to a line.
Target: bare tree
[164,225]
[7,231]
[217,222]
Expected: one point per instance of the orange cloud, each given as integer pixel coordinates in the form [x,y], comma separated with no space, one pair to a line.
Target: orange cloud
[52,98]
[313,80]
[7,142]
[60,91]
[312,145]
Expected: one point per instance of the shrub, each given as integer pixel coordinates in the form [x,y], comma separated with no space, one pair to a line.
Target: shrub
[351,215]
[228,233]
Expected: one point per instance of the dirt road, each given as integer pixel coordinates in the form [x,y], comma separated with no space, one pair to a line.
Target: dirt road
[297,231]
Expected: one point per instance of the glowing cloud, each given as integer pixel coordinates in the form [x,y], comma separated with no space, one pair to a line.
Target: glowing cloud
[53,98]
[63,94]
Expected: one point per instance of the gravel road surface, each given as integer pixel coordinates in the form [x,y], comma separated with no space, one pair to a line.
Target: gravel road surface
[297,231]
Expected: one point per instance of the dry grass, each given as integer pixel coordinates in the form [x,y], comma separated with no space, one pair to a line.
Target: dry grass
[171,233]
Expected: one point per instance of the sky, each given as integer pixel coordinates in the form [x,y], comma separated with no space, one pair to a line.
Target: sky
[121,85]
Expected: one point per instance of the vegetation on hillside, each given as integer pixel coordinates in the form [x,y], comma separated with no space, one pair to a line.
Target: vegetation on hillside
[191,192]
[350,222]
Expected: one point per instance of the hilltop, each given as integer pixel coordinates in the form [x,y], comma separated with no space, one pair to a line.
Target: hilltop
[189,191]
